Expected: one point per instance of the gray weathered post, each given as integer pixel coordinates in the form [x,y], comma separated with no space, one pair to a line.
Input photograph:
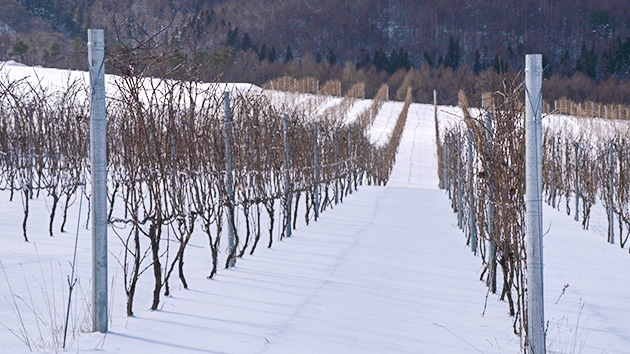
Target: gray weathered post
[611,210]
[229,183]
[533,203]
[460,213]
[444,167]
[471,194]
[350,169]
[437,136]
[360,147]
[553,172]
[448,171]
[316,172]
[577,177]
[336,165]
[287,180]
[31,148]
[486,103]
[98,157]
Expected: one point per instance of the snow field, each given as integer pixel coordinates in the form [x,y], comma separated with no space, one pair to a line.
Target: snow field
[387,271]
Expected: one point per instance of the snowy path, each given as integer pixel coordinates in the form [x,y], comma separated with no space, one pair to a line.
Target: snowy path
[385,272]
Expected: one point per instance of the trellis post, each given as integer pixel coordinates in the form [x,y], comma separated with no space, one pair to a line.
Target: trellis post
[611,209]
[577,177]
[471,194]
[98,157]
[229,183]
[287,180]
[316,172]
[460,214]
[533,203]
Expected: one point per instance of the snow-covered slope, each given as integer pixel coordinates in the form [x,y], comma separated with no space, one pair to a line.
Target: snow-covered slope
[387,271]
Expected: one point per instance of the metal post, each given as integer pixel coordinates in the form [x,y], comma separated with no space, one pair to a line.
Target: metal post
[553,172]
[350,168]
[577,177]
[471,194]
[229,183]
[287,181]
[437,136]
[316,172]
[98,156]
[447,167]
[31,159]
[360,147]
[336,166]
[444,167]
[533,203]
[486,103]
[460,214]
[611,210]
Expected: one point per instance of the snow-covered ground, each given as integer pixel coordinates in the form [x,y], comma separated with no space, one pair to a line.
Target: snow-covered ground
[384,122]
[387,271]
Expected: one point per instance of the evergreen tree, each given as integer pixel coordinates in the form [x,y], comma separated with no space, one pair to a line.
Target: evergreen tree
[288,54]
[380,60]
[272,55]
[364,59]
[587,61]
[403,59]
[453,55]
[394,62]
[262,55]
[318,57]
[427,58]
[232,37]
[566,58]
[331,57]
[246,43]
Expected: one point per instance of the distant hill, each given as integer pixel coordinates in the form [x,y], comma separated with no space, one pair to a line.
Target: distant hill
[452,44]
[347,28]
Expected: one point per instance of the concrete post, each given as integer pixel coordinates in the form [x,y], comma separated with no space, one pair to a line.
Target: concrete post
[577,179]
[336,166]
[553,172]
[533,202]
[98,157]
[444,167]
[287,180]
[486,103]
[229,183]
[360,147]
[448,171]
[471,194]
[611,210]
[460,204]
[350,169]
[31,148]
[316,172]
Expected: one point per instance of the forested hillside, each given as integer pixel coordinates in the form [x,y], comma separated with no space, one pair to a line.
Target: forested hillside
[235,37]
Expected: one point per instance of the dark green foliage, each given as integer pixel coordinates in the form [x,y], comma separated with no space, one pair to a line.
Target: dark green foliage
[288,54]
[272,55]
[587,61]
[331,57]
[453,54]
